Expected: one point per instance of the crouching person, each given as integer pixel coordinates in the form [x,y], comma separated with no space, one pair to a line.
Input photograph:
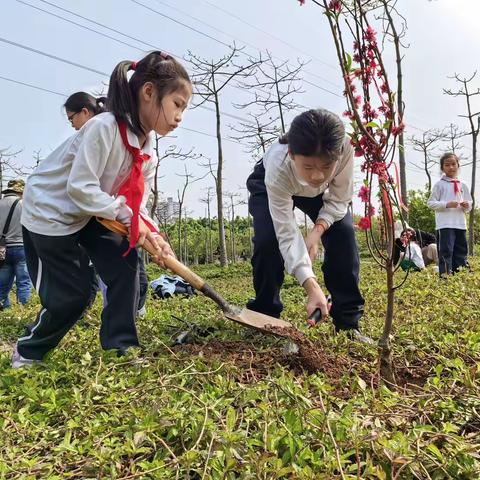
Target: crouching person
[310,168]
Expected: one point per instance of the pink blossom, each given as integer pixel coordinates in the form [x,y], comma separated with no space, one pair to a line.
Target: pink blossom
[364,193]
[398,130]
[370,34]
[335,5]
[302,2]
[357,100]
[359,152]
[348,114]
[371,211]
[364,223]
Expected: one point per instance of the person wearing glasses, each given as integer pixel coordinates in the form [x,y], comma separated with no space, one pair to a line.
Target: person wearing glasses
[80,107]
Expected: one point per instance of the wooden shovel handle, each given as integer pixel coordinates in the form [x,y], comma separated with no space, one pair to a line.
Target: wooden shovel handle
[170,262]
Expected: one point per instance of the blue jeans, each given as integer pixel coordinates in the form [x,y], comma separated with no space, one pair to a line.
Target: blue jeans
[14,268]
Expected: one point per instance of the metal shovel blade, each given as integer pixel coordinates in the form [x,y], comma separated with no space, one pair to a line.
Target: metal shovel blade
[256,320]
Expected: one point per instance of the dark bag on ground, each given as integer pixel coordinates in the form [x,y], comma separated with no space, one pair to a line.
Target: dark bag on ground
[167,286]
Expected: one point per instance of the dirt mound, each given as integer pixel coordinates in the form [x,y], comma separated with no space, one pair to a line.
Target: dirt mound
[253,363]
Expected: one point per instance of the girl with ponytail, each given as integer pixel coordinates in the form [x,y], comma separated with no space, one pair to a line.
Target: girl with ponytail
[105,170]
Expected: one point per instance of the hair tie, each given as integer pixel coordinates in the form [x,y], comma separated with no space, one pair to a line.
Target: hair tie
[133,66]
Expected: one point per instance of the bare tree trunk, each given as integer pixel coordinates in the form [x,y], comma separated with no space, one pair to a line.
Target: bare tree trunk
[185,238]
[180,232]
[400,105]
[471,217]
[219,190]
[385,348]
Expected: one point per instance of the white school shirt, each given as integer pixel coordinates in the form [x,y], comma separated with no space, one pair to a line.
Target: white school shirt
[282,182]
[442,193]
[81,179]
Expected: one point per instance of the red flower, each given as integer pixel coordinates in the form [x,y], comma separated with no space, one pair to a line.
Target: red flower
[364,223]
[357,100]
[335,5]
[370,34]
[348,114]
[364,193]
[302,2]
[398,130]
[371,211]
[359,152]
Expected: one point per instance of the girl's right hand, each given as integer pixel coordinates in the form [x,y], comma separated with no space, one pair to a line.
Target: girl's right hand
[452,205]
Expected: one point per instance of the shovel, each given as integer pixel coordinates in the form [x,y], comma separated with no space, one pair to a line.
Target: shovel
[243,316]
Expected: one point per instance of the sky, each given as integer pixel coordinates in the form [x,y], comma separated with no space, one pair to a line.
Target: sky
[50,49]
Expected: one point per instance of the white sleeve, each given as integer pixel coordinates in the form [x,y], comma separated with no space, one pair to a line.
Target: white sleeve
[83,184]
[290,240]
[467,197]
[435,202]
[340,190]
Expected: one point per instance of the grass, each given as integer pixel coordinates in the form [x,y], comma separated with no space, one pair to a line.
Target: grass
[232,405]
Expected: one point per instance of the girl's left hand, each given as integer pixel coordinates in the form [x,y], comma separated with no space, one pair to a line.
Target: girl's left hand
[163,247]
[465,204]
[313,239]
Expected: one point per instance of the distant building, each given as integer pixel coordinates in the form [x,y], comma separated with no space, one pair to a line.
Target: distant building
[168,210]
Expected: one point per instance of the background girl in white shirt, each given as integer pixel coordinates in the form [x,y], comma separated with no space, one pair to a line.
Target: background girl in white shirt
[451,199]
[105,170]
[310,168]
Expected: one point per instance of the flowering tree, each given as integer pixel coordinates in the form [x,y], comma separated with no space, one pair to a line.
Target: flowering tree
[375,127]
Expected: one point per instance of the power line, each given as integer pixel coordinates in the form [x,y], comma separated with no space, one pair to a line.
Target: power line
[32,86]
[54,57]
[36,87]
[135,47]
[78,24]
[115,39]
[219,41]
[269,34]
[104,74]
[240,40]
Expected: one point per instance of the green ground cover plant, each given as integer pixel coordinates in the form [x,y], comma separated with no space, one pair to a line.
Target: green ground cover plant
[232,405]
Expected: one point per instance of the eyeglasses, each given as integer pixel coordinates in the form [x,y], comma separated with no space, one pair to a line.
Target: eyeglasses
[70,117]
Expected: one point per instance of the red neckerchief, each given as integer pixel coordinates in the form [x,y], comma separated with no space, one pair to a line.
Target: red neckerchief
[456,183]
[133,188]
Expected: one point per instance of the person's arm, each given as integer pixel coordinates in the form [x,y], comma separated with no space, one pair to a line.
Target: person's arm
[435,201]
[467,199]
[292,247]
[340,190]
[83,184]
[290,240]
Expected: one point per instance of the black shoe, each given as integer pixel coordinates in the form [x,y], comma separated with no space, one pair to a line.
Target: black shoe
[355,335]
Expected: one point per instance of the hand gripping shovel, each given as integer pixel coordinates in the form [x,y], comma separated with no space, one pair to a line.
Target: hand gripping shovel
[245,317]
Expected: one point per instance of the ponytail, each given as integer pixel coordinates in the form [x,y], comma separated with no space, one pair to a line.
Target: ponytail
[162,70]
[80,100]
[120,99]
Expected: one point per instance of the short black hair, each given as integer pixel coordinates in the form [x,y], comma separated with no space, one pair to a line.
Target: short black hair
[316,132]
